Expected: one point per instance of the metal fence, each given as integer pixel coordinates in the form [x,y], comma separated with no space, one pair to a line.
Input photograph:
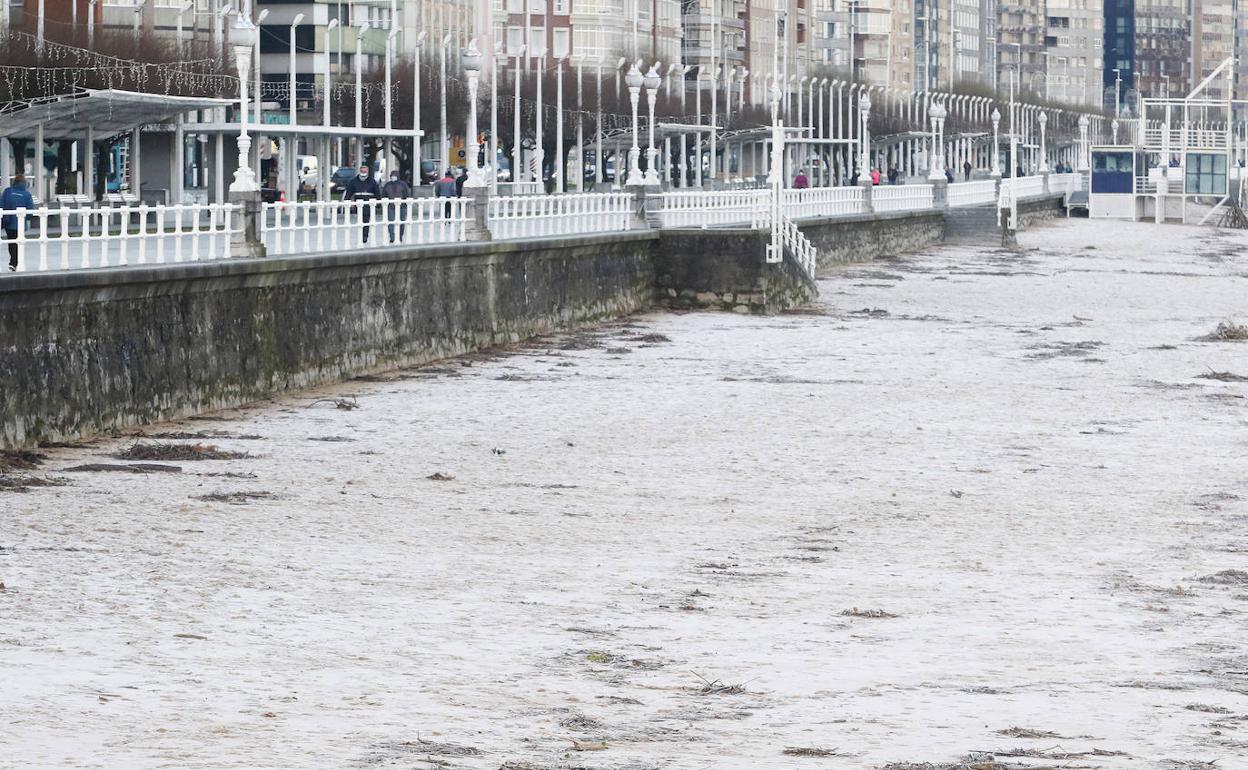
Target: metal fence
[907,197]
[78,238]
[823,202]
[315,227]
[539,216]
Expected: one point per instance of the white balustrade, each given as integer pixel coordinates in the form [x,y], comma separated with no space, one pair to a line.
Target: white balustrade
[62,238]
[1065,183]
[823,202]
[709,208]
[906,197]
[1028,186]
[325,226]
[540,216]
[972,193]
[798,247]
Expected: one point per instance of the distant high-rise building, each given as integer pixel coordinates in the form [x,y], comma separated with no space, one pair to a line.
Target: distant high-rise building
[1074,49]
[966,35]
[1213,41]
[1163,50]
[1020,45]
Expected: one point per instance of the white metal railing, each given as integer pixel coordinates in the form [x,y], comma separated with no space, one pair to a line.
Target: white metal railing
[708,208]
[798,246]
[972,193]
[823,202]
[907,197]
[64,238]
[538,216]
[322,226]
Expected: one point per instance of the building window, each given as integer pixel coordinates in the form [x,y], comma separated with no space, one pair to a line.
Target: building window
[561,42]
[563,7]
[1206,174]
[515,39]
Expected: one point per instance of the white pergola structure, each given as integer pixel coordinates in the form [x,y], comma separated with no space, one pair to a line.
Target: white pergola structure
[88,117]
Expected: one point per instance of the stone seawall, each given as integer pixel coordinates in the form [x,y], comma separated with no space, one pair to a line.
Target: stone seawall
[841,240]
[727,270]
[95,351]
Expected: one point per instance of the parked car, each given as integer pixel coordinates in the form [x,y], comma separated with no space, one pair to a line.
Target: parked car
[429,172]
[341,177]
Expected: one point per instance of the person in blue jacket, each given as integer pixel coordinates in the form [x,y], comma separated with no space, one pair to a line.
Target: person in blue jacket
[14,197]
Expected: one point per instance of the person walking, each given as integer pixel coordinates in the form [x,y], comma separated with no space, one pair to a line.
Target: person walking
[446,188]
[461,176]
[949,175]
[396,189]
[892,175]
[967,168]
[801,182]
[363,189]
[14,197]
[875,177]
[853,179]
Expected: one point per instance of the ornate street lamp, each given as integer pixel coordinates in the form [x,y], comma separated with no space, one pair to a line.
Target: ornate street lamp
[652,83]
[996,145]
[1083,142]
[471,62]
[634,81]
[864,160]
[1043,120]
[935,171]
[243,36]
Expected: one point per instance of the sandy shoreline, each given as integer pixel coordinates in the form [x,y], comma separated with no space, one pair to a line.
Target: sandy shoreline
[656,528]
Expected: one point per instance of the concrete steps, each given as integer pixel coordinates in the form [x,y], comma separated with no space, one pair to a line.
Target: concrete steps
[971,223]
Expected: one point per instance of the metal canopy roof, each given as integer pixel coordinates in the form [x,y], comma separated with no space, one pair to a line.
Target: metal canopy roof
[106,112]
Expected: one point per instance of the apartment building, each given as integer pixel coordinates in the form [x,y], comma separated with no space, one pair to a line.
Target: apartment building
[1213,41]
[1075,51]
[1020,45]
[965,35]
[1163,49]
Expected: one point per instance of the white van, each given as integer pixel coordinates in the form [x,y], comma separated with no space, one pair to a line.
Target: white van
[309,170]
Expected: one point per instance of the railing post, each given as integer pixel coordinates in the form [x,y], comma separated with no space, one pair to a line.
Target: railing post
[648,207]
[868,203]
[477,226]
[245,241]
[940,194]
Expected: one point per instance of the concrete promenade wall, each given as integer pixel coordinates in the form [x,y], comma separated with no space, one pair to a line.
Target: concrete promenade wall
[858,238]
[726,269]
[94,351]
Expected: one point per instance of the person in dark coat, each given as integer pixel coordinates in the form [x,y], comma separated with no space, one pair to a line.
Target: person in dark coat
[967,168]
[14,197]
[892,175]
[446,188]
[460,177]
[396,189]
[363,189]
[949,175]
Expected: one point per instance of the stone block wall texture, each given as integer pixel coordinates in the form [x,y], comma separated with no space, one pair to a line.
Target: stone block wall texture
[92,352]
[95,351]
[842,240]
[727,270]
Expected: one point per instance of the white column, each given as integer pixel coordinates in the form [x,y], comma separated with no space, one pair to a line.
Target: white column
[136,170]
[38,169]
